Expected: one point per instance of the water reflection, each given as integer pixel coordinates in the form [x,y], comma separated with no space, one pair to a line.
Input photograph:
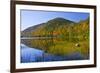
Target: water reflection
[39,50]
[35,55]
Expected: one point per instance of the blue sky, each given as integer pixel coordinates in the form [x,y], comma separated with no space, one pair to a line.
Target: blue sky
[31,18]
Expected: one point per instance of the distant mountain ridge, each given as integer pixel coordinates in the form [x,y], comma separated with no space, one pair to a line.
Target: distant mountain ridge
[53,23]
[59,19]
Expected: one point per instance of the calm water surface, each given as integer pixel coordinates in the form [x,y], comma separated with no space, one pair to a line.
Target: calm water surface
[34,55]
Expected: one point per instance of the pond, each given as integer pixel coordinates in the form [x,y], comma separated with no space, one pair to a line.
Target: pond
[35,55]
